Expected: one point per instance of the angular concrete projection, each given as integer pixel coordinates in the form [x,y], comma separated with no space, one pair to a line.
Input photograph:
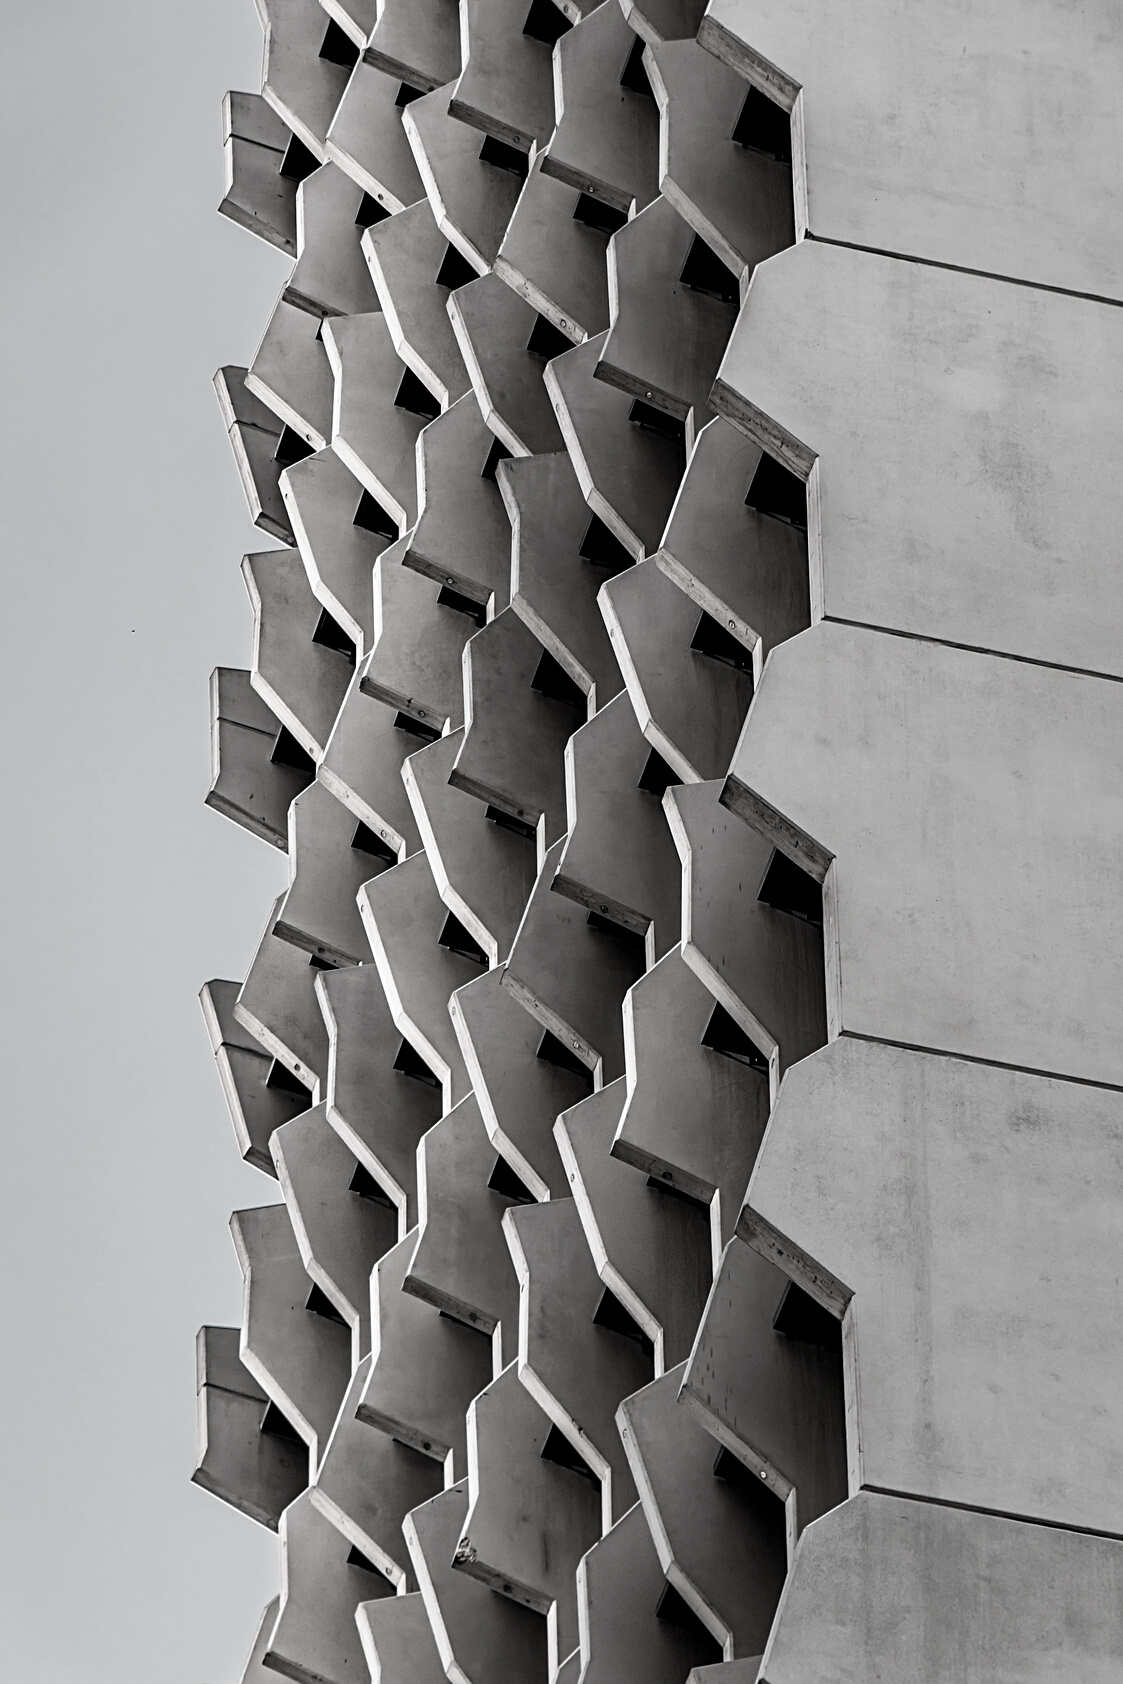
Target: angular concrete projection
[331,277]
[366,1484]
[416,664]
[405,920]
[341,1231]
[330,517]
[559,560]
[426,1366]
[628,470]
[765,1379]
[498,334]
[461,1264]
[356,18]
[975,1335]
[378,1110]
[673,309]
[255,437]
[520,713]
[371,431]
[299,1357]
[315,1639]
[256,1472]
[745,567]
[257,1104]
[1021,574]
[277,1004]
[255,1666]
[930,946]
[362,767]
[555,258]
[247,784]
[484,870]
[418,41]
[664,20]
[471,198]
[717,1529]
[761,959]
[697,1102]
[462,538]
[256,195]
[302,676]
[575,1366]
[958,151]
[730,180]
[572,973]
[650,1248]
[606,143]
[625,1638]
[329,863]
[531,1517]
[506,88]
[291,374]
[689,680]
[518,1079]
[398,1641]
[478,1634]
[405,253]
[619,859]
[887,1588]
[303,86]
[367,141]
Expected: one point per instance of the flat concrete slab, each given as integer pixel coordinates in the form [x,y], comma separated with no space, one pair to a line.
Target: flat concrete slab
[247,784]
[418,41]
[291,374]
[254,433]
[257,1106]
[398,1641]
[323,498]
[258,1473]
[329,861]
[302,679]
[255,194]
[303,88]
[404,254]
[367,141]
[277,1004]
[315,1639]
[462,538]
[606,142]
[493,328]
[362,767]
[555,259]
[331,277]
[371,432]
[505,87]
[415,666]
[471,199]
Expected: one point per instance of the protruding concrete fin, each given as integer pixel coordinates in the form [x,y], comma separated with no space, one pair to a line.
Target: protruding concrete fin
[505,88]
[258,1473]
[333,519]
[494,329]
[405,253]
[471,198]
[606,142]
[371,432]
[291,374]
[418,41]
[316,1639]
[553,254]
[260,1098]
[301,86]
[277,1004]
[462,538]
[398,1640]
[256,195]
[362,767]
[416,665]
[301,677]
[331,277]
[255,433]
[330,858]
[368,142]
[247,784]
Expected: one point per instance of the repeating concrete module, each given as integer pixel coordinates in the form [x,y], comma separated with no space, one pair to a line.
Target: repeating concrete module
[687,692]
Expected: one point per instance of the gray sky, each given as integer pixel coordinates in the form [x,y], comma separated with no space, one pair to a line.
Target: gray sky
[123,526]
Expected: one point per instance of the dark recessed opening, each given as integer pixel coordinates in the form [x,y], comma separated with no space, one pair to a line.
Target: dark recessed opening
[497,453]
[611,1314]
[286,751]
[416,728]
[630,940]
[291,448]
[799,1317]
[545,23]
[476,611]
[727,1467]
[504,157]
[277,1425]
[789,888]
[673,1611]
[338,47]
[370,212]
[459,940]
[670,1191]
[455,270]
[557,1448]
[764,126]
[416,398]
[634,75]
[368,841]
[776,491]
[409,1062]
[503,1179]
[298,162]
[547,341]
[725,1036]
[594,213]
[711,638]
[329,634]
[283,1081]
[551,679]
[658,421]
[603,548]
[553,1051]
[705,272]
[321,1305]
[407,95]
[356,1558]
[316,963]
[364,1184]
[657,776]
[506,821]
[372,517]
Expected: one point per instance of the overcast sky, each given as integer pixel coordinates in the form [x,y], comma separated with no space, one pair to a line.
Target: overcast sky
[123,526]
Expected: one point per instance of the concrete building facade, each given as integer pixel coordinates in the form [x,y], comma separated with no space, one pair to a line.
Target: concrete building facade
[686,684]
